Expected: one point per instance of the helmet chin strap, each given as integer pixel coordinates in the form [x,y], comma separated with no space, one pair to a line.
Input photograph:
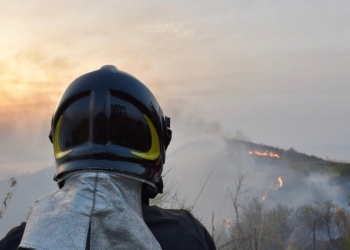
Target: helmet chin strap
[93,208]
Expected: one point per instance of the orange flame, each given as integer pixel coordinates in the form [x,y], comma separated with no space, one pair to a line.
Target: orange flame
[227,223]
[266,153]
[280,181]
[265,196]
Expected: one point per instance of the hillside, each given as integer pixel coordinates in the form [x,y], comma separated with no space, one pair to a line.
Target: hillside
[301,163]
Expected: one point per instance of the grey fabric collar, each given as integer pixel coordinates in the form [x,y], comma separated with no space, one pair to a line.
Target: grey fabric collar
[109,203]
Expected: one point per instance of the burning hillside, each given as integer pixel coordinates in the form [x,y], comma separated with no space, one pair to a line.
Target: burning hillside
[277,168]
[260,151]
[265,153]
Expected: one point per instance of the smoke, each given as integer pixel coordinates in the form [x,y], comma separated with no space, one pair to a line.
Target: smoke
[207,170]
[192,121]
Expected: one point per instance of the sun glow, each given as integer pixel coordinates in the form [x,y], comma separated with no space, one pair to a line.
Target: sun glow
[30,86]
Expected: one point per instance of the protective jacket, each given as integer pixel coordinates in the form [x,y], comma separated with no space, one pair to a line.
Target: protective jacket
[105,210]
[173,229]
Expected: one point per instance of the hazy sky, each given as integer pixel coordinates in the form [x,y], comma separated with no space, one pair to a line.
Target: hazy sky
[278,70]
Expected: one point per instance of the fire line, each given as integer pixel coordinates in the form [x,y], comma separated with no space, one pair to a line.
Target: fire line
[266,153]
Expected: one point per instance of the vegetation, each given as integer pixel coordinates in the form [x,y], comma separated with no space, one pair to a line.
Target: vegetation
[5,203]
[324,225]
[312,226]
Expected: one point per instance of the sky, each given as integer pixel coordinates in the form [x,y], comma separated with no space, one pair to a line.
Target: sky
[278,71]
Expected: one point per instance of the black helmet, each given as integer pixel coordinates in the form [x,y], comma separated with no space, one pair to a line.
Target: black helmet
[108,120]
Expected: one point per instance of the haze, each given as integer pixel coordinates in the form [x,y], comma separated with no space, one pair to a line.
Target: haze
[276,70]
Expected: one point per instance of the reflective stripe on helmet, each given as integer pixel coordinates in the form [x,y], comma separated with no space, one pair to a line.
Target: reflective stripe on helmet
[154,152]
[56,145]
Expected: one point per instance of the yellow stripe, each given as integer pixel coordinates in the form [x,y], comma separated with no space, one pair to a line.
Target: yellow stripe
[56,145]
[154,152]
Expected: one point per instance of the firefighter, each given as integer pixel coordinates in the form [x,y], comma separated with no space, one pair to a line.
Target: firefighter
[109,139]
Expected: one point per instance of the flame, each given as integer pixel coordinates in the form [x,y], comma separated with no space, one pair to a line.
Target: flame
[265,196]
[266,153]
[273,188]
[227,223]
[227,226]
[280,181]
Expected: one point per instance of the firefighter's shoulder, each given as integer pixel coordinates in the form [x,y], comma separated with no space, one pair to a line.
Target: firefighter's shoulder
[13,237]
[177,229]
